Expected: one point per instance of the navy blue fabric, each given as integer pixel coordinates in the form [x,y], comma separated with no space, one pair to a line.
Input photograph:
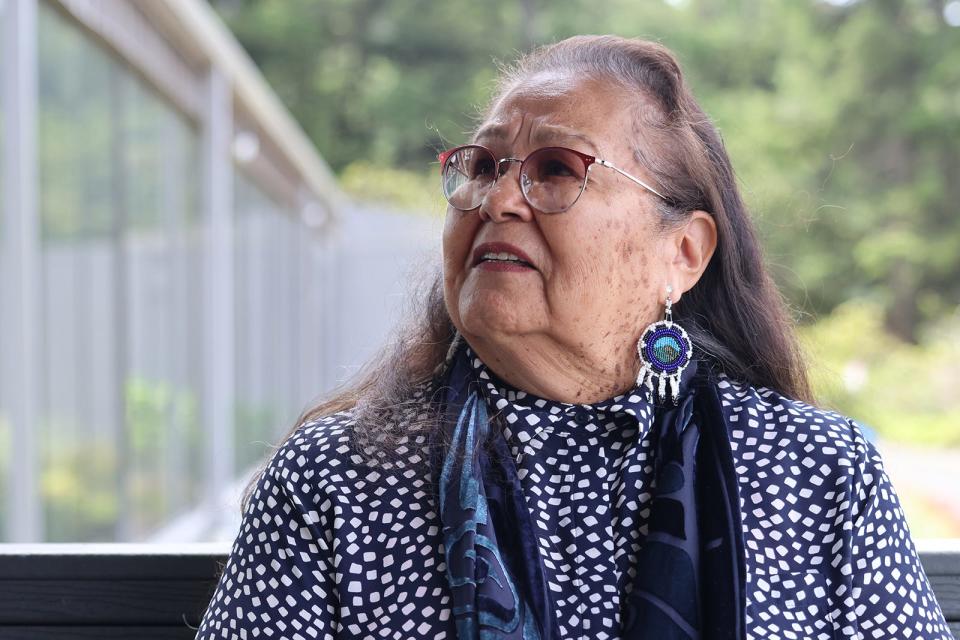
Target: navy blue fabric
[691,569]
[693,548]
[499,591]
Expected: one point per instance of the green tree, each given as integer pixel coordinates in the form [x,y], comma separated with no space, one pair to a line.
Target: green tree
[843,121]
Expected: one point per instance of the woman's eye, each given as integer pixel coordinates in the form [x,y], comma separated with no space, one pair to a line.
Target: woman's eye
[557,168]
[481,168]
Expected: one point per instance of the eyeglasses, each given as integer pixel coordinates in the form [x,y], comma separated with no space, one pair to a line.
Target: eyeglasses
[551,178]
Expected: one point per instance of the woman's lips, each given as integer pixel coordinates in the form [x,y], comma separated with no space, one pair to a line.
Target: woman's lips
[499,247]
[503,265]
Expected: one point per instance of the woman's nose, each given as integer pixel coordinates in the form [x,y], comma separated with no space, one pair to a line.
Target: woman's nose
[505,201]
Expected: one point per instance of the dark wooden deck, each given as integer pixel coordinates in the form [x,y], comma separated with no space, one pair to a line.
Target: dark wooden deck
[148,592]
[106,590]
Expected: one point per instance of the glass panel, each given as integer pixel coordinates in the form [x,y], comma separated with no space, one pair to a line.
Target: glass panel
[120,241]
[5,428]
[267,305]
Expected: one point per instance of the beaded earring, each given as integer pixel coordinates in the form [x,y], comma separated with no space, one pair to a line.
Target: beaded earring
[665,351]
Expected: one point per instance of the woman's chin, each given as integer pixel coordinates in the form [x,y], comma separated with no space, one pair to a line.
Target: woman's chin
[495,315]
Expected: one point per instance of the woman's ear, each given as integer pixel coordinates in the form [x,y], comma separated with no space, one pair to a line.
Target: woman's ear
[693,244]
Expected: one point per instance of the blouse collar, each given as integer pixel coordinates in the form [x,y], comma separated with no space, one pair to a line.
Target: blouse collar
[498,394]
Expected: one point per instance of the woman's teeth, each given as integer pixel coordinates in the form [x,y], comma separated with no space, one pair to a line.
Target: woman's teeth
[501,256]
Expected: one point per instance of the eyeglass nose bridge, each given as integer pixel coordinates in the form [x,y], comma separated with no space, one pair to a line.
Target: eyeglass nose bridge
[524,179]
[500,162]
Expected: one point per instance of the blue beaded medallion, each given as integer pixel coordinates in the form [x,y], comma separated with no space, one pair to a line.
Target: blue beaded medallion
[664,350]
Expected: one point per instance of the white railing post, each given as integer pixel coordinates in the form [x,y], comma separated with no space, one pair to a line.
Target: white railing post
[21,252]
[218,314]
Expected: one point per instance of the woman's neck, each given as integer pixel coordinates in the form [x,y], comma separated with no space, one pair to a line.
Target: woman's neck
[552,371]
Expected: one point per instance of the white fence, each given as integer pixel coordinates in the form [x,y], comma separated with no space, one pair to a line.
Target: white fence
[170,299]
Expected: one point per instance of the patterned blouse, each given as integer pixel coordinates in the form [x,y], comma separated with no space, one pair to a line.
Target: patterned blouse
[331,546]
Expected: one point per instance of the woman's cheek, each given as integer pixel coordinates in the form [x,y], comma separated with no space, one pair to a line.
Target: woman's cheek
[454,247]
[578,281]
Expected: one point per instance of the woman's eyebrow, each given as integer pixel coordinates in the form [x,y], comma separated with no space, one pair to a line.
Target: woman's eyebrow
[541,135]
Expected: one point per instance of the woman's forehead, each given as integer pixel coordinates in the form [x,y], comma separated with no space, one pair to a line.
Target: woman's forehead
[584,114]
[541,134]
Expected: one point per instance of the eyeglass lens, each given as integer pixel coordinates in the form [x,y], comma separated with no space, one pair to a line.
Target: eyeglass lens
[551,178]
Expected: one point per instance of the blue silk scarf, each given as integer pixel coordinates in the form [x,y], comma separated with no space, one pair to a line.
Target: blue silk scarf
[690,573]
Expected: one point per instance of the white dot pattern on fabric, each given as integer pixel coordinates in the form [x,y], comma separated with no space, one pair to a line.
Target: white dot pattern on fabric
[828,550]
[330,547]
[586,474]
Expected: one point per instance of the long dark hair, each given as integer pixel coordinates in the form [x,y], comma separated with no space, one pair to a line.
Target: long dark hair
[735,315]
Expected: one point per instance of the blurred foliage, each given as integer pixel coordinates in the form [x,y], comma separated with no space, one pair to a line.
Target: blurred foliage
[79,488]
[82,479]
[394,187]
[904,391]
[842,118]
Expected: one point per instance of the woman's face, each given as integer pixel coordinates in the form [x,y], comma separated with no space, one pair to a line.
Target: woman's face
[599,269]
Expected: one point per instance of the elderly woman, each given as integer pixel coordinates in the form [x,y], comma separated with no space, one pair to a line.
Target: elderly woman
[598,425]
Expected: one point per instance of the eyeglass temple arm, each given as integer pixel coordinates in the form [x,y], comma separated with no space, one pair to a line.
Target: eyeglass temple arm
[627,175]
